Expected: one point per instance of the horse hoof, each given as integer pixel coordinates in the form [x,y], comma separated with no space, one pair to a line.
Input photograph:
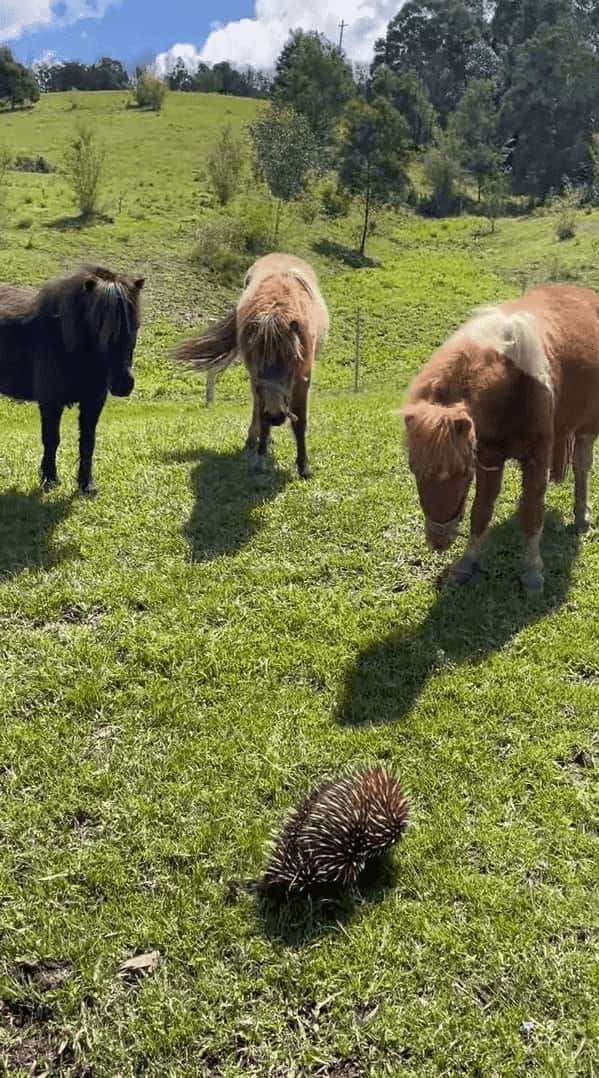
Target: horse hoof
[258,465]
[49,484]
[532,580]
[304,473]
[582,523]
[465,570]
[89,490]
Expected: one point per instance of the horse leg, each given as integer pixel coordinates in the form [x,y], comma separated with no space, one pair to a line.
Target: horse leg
[251,442]
[532,511]
[89,413]
[258,463]
[299,407]
[50,413]
[488,485]
[583,462]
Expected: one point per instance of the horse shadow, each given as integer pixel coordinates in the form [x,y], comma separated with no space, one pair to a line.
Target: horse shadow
[464,625]
[27,522]
[226,495]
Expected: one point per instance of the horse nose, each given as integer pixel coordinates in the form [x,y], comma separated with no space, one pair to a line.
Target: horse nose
[276,419]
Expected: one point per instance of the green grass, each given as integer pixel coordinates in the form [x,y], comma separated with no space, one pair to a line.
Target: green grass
[184,656]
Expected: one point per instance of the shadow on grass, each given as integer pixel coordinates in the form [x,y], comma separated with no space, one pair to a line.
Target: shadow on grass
[347,255]
[82,220]
[226,495]
[26,525]
[297,922]
[464,625]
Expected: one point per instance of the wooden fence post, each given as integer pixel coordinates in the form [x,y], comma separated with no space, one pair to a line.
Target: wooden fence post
[357,355]
[210,384]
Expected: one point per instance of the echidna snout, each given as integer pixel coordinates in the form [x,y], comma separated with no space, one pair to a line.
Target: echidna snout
[332,835]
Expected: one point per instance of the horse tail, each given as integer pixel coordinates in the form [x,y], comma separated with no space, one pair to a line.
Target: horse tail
[214,350]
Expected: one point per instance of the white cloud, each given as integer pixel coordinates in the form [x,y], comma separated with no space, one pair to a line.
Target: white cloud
[165,61]
[16,16]
[259,40]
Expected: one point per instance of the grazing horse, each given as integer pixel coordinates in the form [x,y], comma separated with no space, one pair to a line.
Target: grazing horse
[68,342]
[278,327]
[518,381]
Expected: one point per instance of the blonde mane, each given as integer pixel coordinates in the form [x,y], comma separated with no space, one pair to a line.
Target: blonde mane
[515,335]
[441,439]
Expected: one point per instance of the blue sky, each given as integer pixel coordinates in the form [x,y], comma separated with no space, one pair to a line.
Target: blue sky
[130,30]
[136,31]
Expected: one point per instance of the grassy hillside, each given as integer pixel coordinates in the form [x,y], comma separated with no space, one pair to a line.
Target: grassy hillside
[185,655]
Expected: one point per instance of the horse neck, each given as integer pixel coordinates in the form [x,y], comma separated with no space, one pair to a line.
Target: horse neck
[443,380]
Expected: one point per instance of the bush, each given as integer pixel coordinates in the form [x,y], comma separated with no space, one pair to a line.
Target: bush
[225,166]
[150,92]
[227,242]
[443,173]
[335,201]
[565,206]
[83,166]
[24,163]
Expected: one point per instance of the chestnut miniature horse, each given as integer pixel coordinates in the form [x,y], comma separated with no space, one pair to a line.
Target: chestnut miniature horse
[518,381]
[278,327]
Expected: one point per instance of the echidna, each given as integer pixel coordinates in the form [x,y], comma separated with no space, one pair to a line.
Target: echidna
[342,825]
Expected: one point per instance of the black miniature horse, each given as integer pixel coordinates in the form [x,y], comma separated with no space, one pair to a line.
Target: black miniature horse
[69,342]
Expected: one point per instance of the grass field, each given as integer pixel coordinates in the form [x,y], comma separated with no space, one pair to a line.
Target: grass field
[185,655]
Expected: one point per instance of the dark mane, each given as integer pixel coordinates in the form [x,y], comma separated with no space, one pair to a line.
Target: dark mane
[106,302]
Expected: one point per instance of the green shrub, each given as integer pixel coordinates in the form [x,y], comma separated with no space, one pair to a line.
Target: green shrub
[225,166]
[227,242]
[335,201]
[565,206]
[150,92]
[25,163]
[83,167]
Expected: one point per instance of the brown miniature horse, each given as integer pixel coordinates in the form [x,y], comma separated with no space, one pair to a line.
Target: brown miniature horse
[518,381]
[278,327]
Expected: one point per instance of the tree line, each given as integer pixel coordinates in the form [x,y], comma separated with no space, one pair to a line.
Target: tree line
[504,93]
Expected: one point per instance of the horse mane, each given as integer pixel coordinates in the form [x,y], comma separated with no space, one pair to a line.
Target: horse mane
[95,295]
[515,335]
[441,439]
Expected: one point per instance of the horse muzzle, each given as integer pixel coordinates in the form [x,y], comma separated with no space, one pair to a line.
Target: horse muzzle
[440,537]
[122,385]
[277,419]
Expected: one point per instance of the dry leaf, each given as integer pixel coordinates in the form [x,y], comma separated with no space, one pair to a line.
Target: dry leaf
[140,963]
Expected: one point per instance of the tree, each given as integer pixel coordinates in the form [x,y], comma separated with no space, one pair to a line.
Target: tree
[409,96]
[433,39]
[551,109]
[83,167]
[225,165]
[475,124]
[285,151]
[107,74]
[179,78]
[372,155]
[313,77]
[17,83]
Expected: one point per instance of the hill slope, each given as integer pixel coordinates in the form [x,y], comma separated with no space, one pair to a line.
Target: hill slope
[184,656]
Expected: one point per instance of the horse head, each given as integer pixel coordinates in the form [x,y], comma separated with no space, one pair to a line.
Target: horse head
[113,317]
[442,445]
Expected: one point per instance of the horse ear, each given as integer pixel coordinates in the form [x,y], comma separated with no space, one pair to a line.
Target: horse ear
[139,283]
[90,284]
[407,414]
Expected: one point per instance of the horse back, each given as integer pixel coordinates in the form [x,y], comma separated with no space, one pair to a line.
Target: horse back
[569,320]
